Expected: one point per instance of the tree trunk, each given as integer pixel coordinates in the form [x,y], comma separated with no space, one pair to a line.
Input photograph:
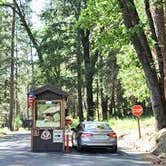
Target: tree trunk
[164,55]
[158,18]
[103,97]
[112,104]
[155,38]
[159,22]
[79,76]
[97,100]
[12,73]
[17,112]
[88,73]
[104,106]
[139,40]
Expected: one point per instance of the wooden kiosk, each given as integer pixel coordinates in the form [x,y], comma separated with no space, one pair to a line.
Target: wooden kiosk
[48,117]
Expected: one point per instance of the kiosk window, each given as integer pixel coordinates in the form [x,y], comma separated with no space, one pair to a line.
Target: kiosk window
[48,114]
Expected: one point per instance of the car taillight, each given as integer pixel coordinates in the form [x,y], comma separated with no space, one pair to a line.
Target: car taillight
[112,135]
[86,135]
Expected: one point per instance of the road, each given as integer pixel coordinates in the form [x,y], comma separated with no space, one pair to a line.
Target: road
[15,151]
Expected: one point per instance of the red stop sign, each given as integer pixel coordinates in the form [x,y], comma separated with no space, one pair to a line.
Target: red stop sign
[137,110]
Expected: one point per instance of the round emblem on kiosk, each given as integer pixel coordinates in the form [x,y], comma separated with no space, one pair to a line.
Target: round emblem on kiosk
[46,135]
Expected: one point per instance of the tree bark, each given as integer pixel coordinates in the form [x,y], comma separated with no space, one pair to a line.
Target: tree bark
[97,99]
[159,23]
[89,62]
[139,40]
[12,73]
[79,76]
[88,73]
[104,105]
[154,37]
[164,55]
[159,20]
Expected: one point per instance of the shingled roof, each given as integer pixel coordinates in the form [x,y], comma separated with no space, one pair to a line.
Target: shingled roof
[52,89]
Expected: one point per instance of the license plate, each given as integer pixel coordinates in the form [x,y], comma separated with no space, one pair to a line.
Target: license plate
[100,137]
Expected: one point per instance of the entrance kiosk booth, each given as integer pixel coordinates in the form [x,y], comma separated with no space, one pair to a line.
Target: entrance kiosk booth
[48,117]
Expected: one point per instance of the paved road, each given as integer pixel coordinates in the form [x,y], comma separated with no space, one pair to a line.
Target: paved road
[15,151]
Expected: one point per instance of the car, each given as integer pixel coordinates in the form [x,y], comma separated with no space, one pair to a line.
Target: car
[89,134]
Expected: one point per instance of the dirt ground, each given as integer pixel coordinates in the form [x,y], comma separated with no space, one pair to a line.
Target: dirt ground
[143,145]
[155,160]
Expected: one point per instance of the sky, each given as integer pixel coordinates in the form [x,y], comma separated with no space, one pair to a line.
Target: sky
[37,6]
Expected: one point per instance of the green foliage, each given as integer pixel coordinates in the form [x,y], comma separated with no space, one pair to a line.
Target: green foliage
[57,45]
[119,70]
[131,75]
[107,28]
[22,64]
[125,124]
[17,122]
[2,1]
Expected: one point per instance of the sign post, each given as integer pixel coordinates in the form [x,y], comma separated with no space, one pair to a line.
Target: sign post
[137,111]
[68,122]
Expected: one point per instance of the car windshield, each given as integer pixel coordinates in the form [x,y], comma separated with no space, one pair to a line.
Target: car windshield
[97,126]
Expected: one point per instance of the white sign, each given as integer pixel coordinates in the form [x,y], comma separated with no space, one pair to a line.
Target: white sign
[57,136]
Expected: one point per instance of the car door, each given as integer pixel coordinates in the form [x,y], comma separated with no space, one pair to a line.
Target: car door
[79,132]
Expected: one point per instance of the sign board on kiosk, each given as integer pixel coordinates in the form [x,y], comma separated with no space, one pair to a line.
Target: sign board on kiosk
[58,136]
[137,111]
[48,116]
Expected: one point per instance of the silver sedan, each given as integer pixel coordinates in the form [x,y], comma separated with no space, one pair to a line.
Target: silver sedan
[94,135]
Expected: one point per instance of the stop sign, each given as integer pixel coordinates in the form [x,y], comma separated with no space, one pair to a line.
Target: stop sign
[137,110]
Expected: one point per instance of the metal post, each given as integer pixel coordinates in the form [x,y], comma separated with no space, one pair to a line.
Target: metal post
[139,128]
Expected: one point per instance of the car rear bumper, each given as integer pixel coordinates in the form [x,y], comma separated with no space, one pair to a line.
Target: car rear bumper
[98,145]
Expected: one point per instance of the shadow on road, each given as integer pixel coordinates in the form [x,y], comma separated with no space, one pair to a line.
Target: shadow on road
[15,151]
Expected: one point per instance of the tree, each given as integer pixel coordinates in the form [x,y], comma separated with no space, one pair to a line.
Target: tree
[89,71]
[21,13]
[140,42]
[12,100]
[14,65]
